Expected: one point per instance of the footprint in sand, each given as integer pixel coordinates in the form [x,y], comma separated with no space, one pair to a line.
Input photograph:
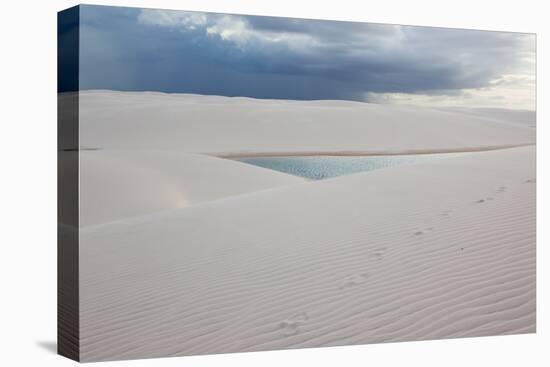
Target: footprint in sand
[480,201]
[378,253]
[531,180]
[354,280]
[291,326]
[423,231]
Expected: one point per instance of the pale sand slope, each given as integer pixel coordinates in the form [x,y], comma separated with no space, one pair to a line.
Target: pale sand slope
[525,118]
[228,126]
[436,250]
[117,184]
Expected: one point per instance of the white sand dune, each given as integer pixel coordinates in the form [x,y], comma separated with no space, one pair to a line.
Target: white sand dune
[244,126]
[118,184]
[525,118]
[434,250]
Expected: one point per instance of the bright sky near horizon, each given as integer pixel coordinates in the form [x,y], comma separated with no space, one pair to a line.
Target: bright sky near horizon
[286,58]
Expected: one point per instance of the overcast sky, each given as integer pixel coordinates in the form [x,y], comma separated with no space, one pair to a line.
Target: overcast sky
[268,57]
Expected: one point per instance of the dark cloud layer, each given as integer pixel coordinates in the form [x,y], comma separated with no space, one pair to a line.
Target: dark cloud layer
[267,57]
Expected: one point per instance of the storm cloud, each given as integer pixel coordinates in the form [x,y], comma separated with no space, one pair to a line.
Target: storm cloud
[268,57]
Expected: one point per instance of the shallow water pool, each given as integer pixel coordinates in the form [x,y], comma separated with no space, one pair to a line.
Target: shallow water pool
[321,167]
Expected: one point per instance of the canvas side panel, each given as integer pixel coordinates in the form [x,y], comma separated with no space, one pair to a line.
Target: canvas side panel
[67,184]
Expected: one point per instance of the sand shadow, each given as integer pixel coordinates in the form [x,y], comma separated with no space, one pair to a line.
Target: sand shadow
[48,345]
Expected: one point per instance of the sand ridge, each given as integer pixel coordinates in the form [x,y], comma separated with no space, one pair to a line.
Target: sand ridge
[246,126]
[118,184]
